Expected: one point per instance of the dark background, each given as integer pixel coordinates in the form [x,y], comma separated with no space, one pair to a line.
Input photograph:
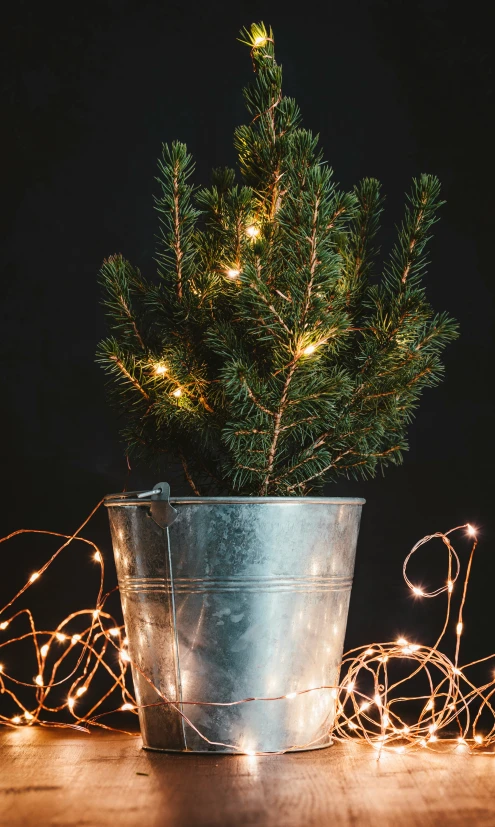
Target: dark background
[89,93]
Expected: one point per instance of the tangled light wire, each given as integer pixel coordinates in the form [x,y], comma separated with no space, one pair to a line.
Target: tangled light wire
[371,707]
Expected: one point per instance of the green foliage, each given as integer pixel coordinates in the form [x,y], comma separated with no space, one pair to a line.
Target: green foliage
[269,355]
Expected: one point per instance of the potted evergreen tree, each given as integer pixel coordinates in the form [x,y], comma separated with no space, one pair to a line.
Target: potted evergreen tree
[268,358]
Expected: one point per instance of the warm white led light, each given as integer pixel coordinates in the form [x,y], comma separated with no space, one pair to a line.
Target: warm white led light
[177,392]
[44,650]
[309,350]
[34,576]
[233,273]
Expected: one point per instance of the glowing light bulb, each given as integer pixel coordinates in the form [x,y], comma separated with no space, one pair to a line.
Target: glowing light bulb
[291,695]
[38,680]
[81,690]
[16,720]
[96,613]
[471,530]
[44,650]
[418,591]
[422,743]
[406,730]
[450,585]
[124,655]
[233,273]
[433,738]
[369,652]
[75,638]
[125,642]
[350,686]
[309,350]
[478,739]
[4,624]
[334,693]
[115,632]
[364,706]
[384,659]
[459,628]
[352,725]
[160,369]
[259,41]
[125,707]
[177,392]
[34,576]
[429,705]
[432,728]
[377,700]
[97,556]
[400,749]
[385,720]
[252,231]
[28,716]
[457,671]
[1,668]
[249,752]
[60,636]
[402,642]
[414,647]
[461,741]
[70,703]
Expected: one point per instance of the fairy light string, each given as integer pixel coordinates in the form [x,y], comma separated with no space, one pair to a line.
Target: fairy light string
[371,706]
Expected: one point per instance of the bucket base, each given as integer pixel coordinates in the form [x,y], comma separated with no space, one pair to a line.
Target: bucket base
[327,744]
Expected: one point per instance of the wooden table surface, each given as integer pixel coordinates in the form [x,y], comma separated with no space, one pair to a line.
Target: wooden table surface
[51,778]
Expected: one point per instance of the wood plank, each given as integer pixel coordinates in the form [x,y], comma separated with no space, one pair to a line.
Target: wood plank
[63,779]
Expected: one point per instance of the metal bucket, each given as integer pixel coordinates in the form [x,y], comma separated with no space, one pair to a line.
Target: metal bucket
[238,598]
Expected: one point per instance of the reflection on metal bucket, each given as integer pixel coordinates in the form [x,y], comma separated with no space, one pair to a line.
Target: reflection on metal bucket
[239,597]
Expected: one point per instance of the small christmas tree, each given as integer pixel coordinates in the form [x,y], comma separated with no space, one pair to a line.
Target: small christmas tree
[266,356]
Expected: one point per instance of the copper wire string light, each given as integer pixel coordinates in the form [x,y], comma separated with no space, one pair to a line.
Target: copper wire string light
[371,707]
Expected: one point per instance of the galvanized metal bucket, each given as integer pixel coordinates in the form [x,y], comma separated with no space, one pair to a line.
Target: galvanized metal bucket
[233,598]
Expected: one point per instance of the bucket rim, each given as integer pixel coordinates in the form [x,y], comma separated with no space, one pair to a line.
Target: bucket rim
[112,500]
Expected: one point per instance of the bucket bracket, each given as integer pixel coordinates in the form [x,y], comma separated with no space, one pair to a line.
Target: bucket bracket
[161,512]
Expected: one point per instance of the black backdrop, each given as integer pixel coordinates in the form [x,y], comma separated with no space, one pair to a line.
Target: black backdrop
[90,92]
